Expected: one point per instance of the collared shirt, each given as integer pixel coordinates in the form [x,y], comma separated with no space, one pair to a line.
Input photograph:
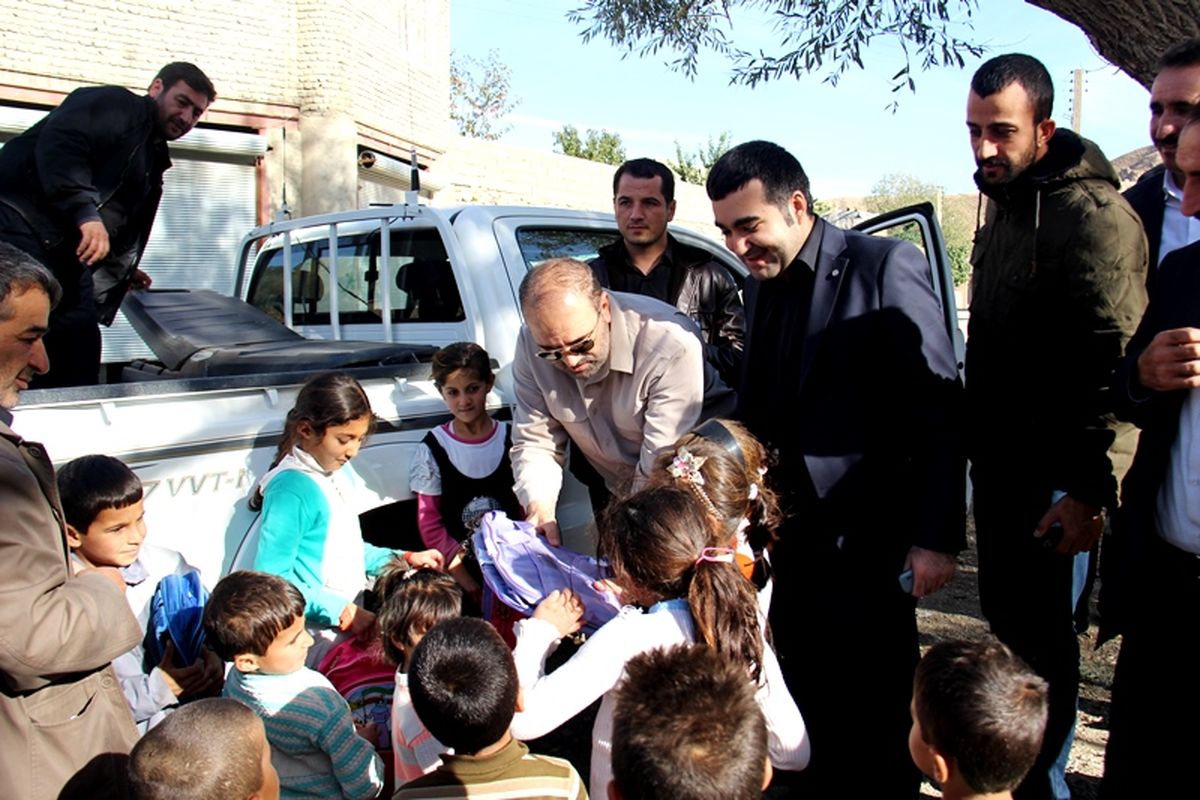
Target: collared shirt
[624,276]
[1178,230]
[649,394]
[510,772]
[1178,508]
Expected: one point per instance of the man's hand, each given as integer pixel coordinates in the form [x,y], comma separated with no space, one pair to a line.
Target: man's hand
[1082,525]
[562,609]
[424,559]
[357,620]
[93,242]
[542,518]
[931,570]
[1171,361]
[140,280]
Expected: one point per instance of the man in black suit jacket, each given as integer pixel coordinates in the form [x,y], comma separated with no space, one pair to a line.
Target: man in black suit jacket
[1157,530]
[1156,195]
[849,376]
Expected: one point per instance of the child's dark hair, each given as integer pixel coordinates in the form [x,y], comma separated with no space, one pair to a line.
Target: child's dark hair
[686,726]
[210,748]
[461,355]
[91,484]
[463,683]
[980,704]
[247,610]
[413,606]
[658,539]
[331,398]
[734,462]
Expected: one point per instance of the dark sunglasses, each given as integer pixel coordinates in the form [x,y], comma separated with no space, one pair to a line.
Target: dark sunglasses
[578,349]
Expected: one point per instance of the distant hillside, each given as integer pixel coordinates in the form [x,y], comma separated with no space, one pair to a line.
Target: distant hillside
[1134,164]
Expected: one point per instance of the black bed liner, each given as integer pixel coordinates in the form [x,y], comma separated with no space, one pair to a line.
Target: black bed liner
[202,333]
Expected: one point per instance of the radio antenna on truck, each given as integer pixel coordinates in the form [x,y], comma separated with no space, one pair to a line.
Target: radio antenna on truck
[284,211]
[413,195]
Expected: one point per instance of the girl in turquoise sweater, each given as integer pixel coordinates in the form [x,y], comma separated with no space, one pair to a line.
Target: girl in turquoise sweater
[309,532]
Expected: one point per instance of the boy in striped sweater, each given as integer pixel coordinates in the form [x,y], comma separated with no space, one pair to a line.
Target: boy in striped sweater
[256,621]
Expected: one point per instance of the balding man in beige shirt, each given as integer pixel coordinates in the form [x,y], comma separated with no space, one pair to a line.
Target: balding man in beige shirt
[622,376]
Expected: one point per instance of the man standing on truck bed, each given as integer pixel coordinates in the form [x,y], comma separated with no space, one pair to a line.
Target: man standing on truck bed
[63,718]
[79,192]
[621,376]
[647,260]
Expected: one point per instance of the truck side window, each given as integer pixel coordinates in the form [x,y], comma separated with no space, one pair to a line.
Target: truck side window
[418,274]
[542,244]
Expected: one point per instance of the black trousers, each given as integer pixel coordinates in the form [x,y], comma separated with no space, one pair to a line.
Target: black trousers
[846,636]
[1156,694]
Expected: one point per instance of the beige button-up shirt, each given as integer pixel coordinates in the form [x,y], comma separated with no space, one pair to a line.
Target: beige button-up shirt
[648,394]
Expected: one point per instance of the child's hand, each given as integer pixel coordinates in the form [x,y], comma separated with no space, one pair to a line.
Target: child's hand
[424,559]
[358,621]
[607,585]
[182,681]
[369,731]
[458,571]
[562,609]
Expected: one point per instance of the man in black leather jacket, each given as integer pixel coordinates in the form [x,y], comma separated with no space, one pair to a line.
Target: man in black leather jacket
[649,261]
[79,192]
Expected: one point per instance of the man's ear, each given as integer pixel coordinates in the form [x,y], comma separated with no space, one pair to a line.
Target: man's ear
[1044,131]
[74,538]
[245,662]
[156,87]
[768,772]
[798,205]
[670,211]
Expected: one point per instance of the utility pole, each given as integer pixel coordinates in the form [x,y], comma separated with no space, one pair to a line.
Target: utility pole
[1077,102]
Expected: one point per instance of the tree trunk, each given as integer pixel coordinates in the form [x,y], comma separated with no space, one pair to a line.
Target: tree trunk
[1132,34]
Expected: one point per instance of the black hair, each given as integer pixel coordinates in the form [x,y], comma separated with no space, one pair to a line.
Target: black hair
[91,484]
[1180,54]
[461,355]
[998,73]
[247,610]
[190,74]
[463,683]
[981,705]
[647,168]
[209,749]
[413,606]
[779,171]
[686,726]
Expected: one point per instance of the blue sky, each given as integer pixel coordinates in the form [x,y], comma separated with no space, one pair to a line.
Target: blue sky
[845,136]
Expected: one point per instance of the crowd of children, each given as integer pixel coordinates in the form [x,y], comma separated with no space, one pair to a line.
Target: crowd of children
[415,697]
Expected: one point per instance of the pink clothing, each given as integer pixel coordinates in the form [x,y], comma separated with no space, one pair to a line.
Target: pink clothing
[433,532]
[414,750]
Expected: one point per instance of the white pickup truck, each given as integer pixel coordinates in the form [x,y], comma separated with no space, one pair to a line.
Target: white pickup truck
[200,423]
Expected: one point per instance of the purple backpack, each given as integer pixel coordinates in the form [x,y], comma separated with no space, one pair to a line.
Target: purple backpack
[521,568]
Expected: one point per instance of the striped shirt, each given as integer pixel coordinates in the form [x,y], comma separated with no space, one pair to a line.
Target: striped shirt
[314,746]
[511,772]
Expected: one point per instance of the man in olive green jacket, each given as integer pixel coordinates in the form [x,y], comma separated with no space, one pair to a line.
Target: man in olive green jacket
[1057,290]
[63,718]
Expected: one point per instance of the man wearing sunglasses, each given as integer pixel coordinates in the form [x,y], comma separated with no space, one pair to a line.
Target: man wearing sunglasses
[621,376]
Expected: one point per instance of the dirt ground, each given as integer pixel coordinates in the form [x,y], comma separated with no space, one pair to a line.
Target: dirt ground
[953,613]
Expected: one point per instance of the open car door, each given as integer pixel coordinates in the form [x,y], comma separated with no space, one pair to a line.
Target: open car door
[918,224]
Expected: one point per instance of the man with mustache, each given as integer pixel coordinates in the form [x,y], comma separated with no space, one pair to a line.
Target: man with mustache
[1158,195]
[619,375]
[1057,290]
[79,192]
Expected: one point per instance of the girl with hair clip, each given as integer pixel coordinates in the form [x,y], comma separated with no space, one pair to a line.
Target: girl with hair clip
[680,589]
[725,467]
[309,531]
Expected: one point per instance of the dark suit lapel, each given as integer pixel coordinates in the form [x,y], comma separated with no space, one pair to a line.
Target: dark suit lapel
[827,282]
[750,303]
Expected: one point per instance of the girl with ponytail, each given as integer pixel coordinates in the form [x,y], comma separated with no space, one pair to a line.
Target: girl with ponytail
[681,588]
